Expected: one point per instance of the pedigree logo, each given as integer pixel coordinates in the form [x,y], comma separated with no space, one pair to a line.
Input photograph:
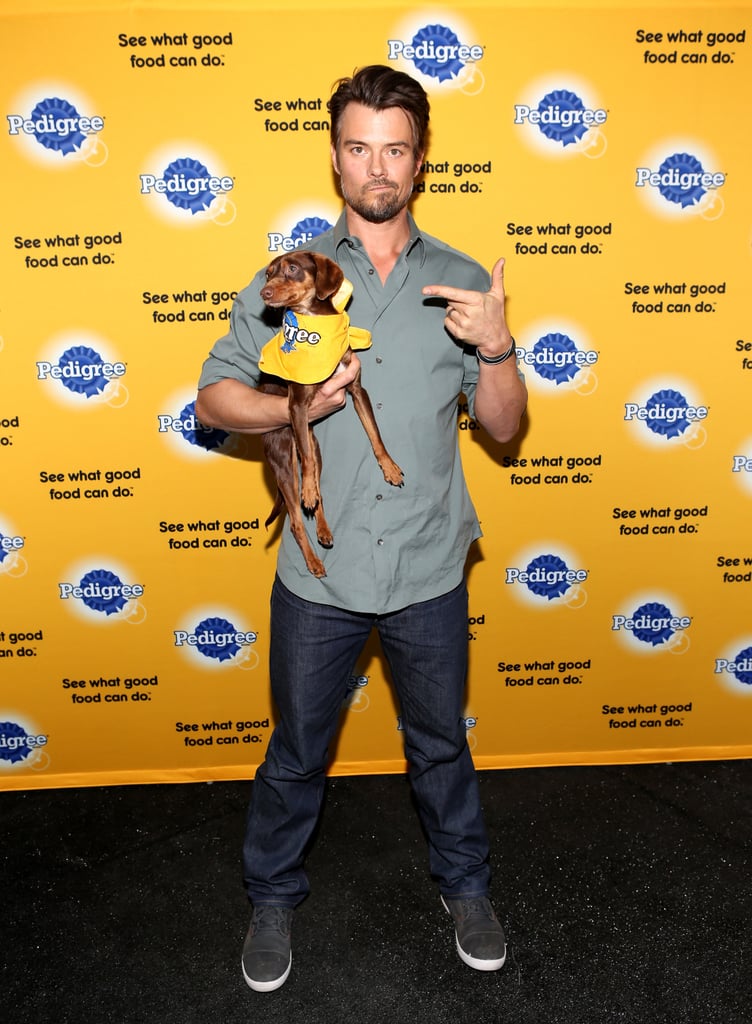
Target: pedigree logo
[21,746]
[57,129]
[733,668]
[216,639]
[187,186]
[560,117]
[548,576]
[559,358]
[81,370]
[184,425]
[741,466]
[77,369]
[304,229]
[444,52]
[103,592]
[56,124]
[681,178]
[667,414]
[652,622]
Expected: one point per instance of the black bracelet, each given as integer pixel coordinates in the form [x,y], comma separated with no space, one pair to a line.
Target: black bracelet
[495,360]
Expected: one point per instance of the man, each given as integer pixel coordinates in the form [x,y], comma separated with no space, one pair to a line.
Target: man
[397,564]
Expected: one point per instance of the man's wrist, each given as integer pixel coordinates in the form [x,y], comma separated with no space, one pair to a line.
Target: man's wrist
[496,360]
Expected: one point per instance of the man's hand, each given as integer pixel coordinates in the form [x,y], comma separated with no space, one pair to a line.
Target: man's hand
[477,317]
[332,394]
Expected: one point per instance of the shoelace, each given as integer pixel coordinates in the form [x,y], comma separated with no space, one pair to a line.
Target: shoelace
[271,918]
[476,906]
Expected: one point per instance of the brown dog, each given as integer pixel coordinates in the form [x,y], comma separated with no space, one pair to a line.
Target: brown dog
[304,284]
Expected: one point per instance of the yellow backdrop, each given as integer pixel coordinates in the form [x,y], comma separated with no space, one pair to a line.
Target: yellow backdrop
[154,156]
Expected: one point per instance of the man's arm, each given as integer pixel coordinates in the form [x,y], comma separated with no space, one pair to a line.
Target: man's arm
[478,319]
[500,400]
[234,406]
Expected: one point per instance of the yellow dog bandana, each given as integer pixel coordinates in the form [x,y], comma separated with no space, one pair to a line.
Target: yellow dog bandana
[308,349]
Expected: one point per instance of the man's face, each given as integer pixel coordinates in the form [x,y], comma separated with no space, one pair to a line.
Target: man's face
[375,161]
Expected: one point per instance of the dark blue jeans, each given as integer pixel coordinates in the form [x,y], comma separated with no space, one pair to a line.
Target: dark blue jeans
[314,649]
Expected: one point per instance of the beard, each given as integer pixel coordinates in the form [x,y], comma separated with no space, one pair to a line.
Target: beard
[376,207]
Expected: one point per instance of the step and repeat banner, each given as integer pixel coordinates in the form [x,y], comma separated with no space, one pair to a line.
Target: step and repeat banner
[154,158]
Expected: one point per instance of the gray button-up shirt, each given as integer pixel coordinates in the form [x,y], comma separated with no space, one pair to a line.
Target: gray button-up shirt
[393,546]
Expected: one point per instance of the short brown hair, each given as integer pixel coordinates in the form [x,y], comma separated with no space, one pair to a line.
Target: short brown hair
[380,87]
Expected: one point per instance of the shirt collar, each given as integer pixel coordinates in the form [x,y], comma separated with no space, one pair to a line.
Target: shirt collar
[415,243]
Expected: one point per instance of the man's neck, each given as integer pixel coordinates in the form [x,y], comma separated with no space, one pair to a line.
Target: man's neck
[383,242]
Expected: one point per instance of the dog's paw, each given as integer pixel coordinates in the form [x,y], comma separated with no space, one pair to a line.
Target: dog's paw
[392,473]
[325,538]
[309,499]
[316,567]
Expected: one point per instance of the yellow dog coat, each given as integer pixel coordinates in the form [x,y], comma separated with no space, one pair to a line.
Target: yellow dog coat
[308,349]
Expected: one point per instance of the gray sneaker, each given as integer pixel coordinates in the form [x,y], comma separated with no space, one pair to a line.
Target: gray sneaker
[267,956]
[480,938]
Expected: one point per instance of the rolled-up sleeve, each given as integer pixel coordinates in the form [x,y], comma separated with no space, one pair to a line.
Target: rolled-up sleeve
[236,354]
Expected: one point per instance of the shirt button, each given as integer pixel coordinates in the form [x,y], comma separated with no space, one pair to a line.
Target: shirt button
[371,271]
[379,497]
[379,405]
[379,359]
[380,542]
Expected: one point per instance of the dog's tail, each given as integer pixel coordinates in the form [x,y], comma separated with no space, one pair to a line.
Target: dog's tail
[277,507]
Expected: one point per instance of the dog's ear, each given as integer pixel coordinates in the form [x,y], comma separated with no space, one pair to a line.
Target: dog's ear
[329,276]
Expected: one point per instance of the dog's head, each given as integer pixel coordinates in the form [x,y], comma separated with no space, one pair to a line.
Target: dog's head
[302,281]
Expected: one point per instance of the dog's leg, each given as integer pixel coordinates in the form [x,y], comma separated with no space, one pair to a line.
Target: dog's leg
[300,397]
[279,448]
[323,533]
[392,473]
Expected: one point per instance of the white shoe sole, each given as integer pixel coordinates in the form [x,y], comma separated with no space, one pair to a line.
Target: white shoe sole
[266,986]
[479,965]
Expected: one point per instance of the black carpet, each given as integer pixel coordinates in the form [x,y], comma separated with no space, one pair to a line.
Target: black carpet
[624,891]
